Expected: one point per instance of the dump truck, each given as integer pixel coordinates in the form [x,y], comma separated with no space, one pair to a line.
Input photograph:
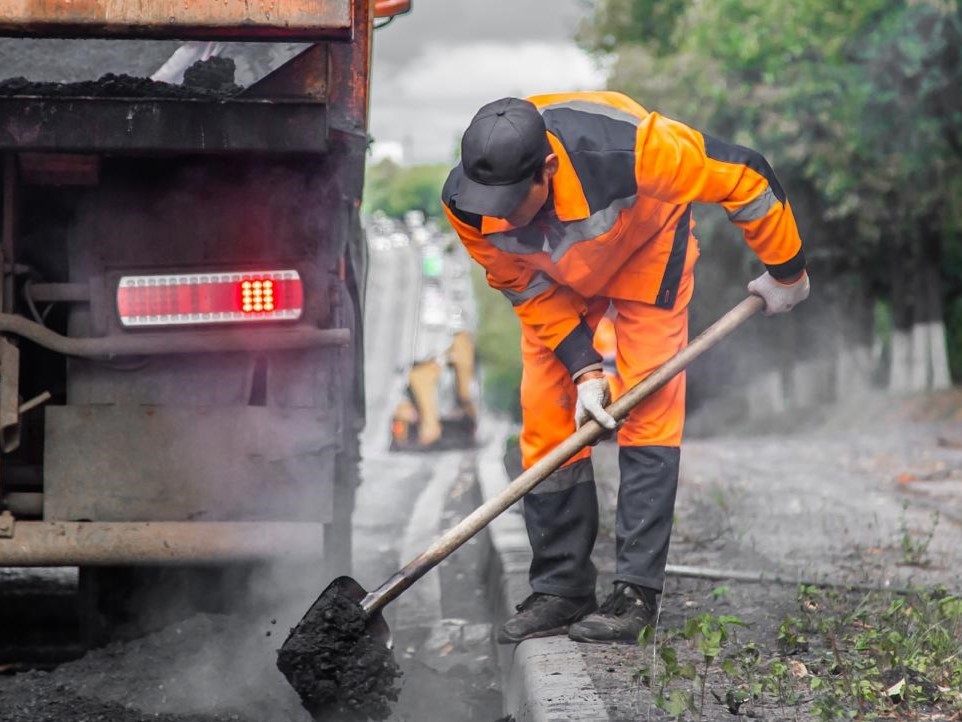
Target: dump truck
[183,274]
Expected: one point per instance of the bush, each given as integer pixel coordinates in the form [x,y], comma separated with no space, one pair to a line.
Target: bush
[395,189]
[499,347]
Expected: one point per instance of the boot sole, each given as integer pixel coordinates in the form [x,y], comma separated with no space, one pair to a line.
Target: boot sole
[553,632]
[556,632]
[593,640]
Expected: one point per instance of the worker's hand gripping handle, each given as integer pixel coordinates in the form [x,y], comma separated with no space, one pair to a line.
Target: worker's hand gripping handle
[586,435]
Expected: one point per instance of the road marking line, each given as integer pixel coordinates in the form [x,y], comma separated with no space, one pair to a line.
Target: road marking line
[420,606]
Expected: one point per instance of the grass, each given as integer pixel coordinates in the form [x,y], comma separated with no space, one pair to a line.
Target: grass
[498,340]
[915,546]
[842,656]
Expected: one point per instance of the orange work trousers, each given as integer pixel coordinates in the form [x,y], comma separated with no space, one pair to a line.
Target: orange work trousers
[647,336]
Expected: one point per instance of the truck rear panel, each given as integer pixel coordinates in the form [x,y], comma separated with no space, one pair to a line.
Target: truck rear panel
[226,425]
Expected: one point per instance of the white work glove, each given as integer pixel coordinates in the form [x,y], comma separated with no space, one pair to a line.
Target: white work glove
[779,297]
[594,395]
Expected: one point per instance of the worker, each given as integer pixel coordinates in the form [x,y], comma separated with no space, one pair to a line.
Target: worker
[573,202]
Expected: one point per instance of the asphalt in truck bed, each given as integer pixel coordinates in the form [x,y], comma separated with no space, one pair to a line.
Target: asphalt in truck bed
[210,79]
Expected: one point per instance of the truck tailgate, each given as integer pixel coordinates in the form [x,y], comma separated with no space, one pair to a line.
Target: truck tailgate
[228,19]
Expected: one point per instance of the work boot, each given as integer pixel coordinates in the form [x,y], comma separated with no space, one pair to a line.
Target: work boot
[544,615]
[626,611]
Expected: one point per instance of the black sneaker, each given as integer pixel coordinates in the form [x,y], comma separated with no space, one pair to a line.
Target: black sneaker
[544,615]
[626,611]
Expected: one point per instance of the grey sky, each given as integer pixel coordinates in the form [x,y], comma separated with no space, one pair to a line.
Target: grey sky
[435,67]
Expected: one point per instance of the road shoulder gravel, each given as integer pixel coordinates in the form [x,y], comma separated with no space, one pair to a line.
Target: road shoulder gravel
[840,507]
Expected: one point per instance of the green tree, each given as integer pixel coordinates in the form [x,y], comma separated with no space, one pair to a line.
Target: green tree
[395,189]
[499,347]
[856,103]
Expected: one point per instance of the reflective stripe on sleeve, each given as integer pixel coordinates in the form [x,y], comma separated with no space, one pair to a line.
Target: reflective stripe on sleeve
[754,210]
[521,241]
[540,282]
[597,224]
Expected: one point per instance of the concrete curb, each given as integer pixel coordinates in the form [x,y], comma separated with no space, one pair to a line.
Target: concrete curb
[544,680]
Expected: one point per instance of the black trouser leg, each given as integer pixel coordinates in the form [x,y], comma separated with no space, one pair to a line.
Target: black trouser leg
[561,515]
[646,507]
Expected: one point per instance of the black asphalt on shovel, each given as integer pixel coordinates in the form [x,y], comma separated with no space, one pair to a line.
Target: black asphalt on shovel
[337,657]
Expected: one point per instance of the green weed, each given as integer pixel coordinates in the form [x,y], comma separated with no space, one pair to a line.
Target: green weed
[720,592]
[705,635]
[915,547]
[846,656]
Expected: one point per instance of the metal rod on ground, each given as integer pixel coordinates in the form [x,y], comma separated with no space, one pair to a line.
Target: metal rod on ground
[587,434]
[757,577]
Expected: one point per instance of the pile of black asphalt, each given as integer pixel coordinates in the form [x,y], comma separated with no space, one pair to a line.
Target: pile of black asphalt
[213,79]
[64,706]
[336,667]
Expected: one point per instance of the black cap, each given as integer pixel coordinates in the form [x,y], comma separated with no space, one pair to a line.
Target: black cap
[500,152]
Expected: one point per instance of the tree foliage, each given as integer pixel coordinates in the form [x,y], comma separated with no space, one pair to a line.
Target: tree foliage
[857,103]
[498,339]
[396,189]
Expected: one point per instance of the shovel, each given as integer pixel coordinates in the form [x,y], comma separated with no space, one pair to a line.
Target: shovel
[337,657]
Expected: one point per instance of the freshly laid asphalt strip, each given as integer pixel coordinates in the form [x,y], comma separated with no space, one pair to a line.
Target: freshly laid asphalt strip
[336,667]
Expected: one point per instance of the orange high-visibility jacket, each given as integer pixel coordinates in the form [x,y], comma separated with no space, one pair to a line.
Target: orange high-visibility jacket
[621,224]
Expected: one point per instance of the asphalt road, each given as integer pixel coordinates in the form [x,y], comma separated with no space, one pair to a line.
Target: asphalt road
[390,482]
[405,500]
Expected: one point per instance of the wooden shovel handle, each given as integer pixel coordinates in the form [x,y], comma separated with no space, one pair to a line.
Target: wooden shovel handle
[588,433]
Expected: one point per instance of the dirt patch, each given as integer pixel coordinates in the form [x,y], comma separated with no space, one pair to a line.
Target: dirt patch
[334,664]
[209,667]
[34,703]
[618,671]
[450,670]
[815,506]
[771,652]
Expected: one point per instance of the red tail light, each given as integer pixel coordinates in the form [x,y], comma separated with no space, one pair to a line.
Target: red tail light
[201,298]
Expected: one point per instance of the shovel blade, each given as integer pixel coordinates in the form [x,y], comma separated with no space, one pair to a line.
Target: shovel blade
[346,589]
[337,657]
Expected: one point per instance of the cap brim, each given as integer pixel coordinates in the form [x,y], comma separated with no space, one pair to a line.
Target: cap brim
[495,201]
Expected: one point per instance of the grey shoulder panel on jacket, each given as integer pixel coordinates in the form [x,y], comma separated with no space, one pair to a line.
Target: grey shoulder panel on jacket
[600,141]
